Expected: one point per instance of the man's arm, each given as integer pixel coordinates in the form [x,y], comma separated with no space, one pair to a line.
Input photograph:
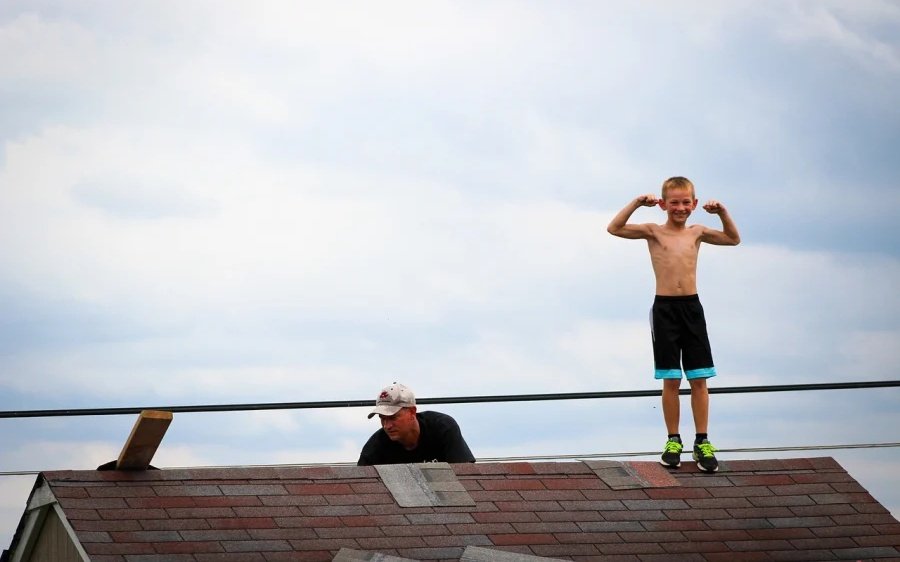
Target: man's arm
[729,235]
[619,226]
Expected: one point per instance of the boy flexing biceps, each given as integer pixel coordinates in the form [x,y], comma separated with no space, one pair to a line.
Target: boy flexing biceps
[678,326]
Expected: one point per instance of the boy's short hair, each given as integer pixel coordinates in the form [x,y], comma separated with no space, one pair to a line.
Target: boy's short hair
[678,182]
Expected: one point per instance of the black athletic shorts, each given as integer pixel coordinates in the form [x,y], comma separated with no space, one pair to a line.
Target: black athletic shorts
[678,327]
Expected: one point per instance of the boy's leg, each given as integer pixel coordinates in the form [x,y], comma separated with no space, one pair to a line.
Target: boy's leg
[700,404]
[698,366]
[671,404]
[664,327]
[703,449]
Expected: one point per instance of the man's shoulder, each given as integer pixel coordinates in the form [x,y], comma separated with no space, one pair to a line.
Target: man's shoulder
[436,418]
[431,414]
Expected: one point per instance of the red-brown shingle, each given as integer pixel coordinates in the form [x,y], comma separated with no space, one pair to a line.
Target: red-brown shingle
[788,509]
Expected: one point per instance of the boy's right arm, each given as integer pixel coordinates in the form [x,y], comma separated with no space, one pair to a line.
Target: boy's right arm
[619,226]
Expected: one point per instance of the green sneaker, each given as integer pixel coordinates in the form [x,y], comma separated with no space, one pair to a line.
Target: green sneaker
[703,454]
[671,456]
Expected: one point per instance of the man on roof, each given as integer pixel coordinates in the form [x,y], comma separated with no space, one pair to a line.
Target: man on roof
[408,436]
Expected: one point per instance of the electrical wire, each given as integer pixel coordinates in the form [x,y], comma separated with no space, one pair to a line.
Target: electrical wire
[586,456]
[445,400]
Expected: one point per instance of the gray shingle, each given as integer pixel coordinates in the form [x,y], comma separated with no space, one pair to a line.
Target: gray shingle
[424,485]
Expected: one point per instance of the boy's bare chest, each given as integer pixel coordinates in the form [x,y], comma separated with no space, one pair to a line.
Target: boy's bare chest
[684,243]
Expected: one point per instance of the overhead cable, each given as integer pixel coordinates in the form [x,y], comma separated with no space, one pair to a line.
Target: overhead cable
[445,400]
[586,456]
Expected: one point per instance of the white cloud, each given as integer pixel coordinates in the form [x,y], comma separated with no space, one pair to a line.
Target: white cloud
[47,454]
[870,353]
[618,354]
[394,244]
[833,23]
[47,52]
[13,498]
[344,451]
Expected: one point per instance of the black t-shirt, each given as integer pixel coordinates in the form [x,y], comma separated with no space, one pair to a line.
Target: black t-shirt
[439,440]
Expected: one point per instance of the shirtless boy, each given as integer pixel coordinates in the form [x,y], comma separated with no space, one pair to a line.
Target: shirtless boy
[678,325]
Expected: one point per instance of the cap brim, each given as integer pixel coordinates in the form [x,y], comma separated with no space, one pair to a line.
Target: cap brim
[385,410]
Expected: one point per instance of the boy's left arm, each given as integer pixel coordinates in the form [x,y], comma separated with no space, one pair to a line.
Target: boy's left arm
[729,235]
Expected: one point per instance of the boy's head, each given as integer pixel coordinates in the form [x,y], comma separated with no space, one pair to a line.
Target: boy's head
[677,182]
[678,199]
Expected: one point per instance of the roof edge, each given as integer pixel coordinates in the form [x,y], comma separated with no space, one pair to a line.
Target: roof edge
[40,502]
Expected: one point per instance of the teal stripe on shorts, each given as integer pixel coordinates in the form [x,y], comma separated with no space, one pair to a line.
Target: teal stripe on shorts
[668,373]
[705,373]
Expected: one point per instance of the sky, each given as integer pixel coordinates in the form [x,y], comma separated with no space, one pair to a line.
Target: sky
[219,202]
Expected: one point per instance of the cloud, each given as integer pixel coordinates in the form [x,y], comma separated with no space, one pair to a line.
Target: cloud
[302,234]
[14,491]
[137,198]
[65,54]
[848,30]
[618,353]
[51,454]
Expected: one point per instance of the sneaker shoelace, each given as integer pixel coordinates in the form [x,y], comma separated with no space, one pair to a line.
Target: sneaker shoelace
[673,447]
[706,449]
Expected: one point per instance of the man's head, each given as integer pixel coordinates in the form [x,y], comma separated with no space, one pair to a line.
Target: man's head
[396,406]
[392,398]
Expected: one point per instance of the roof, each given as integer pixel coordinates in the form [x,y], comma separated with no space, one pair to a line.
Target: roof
[789,509]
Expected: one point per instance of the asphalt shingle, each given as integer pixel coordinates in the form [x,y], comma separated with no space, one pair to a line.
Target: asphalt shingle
[791,509]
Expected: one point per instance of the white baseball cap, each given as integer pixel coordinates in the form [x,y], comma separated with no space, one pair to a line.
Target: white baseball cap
[392,399]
